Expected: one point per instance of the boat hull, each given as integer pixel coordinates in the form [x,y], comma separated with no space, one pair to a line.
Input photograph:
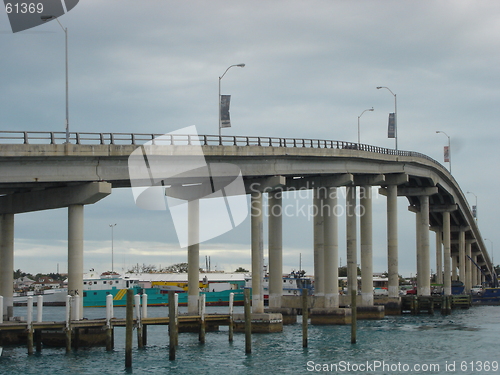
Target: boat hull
[158,297]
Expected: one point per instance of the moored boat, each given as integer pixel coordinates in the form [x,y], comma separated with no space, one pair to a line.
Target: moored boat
[488,296]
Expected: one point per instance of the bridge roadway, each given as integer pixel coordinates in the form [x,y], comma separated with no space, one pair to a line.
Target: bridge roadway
[38,171]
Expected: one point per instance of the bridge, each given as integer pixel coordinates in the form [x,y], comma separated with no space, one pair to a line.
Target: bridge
[39,171]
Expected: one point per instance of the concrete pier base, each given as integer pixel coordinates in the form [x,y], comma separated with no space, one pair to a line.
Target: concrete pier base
[261,322]
[370,312]
[289,315]
[392,305]
[330,316]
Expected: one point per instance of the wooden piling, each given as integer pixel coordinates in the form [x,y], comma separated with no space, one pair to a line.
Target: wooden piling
[202,317]
[305,317]
[137,303]
[231,309]
[144,315]
[29,324]
[38,340]
[248,322]
[354,316]
[129,330]
[68,323]
[171,325]
[109,328]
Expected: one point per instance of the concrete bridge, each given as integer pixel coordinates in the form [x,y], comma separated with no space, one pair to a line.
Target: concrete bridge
[38,171]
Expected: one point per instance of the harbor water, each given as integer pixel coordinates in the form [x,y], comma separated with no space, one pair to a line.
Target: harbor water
[465,342]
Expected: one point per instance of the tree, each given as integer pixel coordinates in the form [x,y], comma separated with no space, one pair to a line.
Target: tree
[241,269]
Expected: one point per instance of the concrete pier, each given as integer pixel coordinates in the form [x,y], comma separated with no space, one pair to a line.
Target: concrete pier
[193,256]
[275,249]
[366,246]
[331,249]
[7,264]
[75,256]
[257,253]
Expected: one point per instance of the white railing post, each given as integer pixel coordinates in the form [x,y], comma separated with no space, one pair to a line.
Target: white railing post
[29,317]
[39,309]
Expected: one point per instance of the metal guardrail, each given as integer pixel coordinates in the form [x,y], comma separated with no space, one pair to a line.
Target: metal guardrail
[39,137]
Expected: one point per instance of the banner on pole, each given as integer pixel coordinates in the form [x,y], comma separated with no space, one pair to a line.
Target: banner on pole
[474,212]
[446,154]
[225,121]
[391,131]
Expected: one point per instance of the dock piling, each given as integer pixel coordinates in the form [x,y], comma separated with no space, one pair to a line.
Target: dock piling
[248,322]
[109,328]
[144,316]
[172,329]
[137,303]
[354,315]
[29,325]
[68,323]
[202,317]
[305,317]
[129,328]
[231,309]
[39,309]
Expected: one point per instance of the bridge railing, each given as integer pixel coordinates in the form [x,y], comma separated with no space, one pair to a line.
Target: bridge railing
[83,138]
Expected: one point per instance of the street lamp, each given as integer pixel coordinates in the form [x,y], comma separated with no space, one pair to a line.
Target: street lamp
[112,247]
[45,19]
[395,114]
[220,78]
[475,215]
[449,147]
[371,109]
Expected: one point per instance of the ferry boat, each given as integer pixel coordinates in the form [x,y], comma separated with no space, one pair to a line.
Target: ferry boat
[97,287]
[488,296]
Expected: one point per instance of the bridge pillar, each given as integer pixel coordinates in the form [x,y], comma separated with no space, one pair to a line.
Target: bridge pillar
[366,246]
[275,248]
[454,266]
[423,256]
[75,255]
[446,253]
[7,264]
[351,241]
[461,255]
[319,256]
[439,257]
[392,241]
[257,253]
[193,256]
[468,266]
[477,273]
[331,244]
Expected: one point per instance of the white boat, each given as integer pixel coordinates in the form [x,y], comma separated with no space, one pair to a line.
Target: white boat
[51,297]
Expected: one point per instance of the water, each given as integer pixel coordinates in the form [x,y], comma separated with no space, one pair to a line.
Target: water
[465,342]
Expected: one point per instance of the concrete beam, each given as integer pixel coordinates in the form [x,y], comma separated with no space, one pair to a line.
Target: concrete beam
[264,184]
[320,181]
[369,179]
[88,193]
[444,208]
[396,179]
[416,191]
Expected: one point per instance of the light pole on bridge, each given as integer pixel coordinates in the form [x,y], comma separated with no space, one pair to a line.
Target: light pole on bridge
[474,211]
[371,109]
[112,226]
[395,114]
[65,29]
[220,79]
[449,147]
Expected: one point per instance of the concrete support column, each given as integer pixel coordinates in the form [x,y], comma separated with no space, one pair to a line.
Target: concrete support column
[392,240]
[454,266]
[439,257]
[352,264]
[275,249]
[257,253]
[331,258]
[75,254]
[446,254]
[193,256]
[461,255]
[7,264]
[424,282]
[468,267]
[366,246]
[319,256]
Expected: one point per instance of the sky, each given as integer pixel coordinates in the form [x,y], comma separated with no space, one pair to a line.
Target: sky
[312,67]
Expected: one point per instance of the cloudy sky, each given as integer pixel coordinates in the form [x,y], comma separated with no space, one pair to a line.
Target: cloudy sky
[312,68]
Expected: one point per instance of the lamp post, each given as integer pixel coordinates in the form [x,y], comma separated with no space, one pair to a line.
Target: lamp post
[449,146]
[470,192]
[45,19]
[395,114]
[220,79]
[371,109]
[112,247]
